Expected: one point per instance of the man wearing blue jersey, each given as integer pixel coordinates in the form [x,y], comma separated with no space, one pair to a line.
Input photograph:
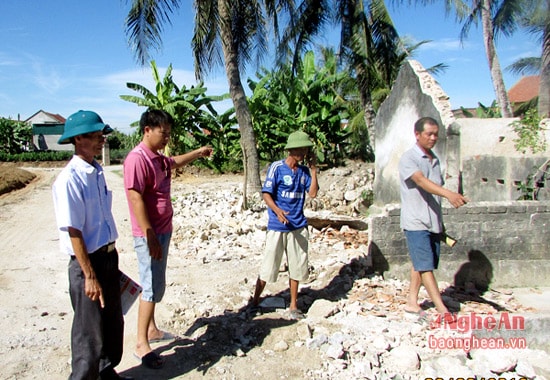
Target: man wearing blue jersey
[284,192]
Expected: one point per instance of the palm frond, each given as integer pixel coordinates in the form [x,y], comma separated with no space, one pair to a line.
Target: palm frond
[526,66]
[144,25]
[206,41]
[506,18]
[440,68]
[301,30]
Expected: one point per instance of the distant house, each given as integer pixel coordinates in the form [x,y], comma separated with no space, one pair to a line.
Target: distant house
[46,130]
[526,89]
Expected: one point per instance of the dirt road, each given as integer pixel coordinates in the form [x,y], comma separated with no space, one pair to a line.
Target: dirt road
[207,291]
[36,314]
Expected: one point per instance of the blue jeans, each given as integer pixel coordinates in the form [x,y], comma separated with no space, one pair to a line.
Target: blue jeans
[152,273]
[424,247]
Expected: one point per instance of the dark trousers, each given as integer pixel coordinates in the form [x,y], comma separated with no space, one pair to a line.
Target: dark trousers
[97,333]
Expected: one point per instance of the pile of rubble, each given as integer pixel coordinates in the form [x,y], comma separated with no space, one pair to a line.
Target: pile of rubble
[355,318]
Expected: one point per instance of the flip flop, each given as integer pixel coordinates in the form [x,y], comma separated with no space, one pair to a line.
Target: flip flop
[421,314]
[450,319]
[166,336]
[296,315]
[253,310]
[151,360]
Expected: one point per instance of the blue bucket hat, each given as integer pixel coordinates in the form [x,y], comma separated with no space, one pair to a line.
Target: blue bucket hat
[83,122]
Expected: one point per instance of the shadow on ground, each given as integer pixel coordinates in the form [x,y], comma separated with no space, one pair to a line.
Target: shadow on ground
[235,333]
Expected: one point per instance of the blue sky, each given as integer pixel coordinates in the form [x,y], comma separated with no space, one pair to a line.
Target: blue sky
[64,55]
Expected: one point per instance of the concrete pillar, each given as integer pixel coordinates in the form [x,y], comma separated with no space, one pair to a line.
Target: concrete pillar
[106,154]
[453,179]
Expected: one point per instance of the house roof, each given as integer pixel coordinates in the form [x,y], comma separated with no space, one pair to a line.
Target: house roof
[54,117]
[525,89]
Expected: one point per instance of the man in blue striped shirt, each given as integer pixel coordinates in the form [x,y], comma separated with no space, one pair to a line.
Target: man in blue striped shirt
[284,191]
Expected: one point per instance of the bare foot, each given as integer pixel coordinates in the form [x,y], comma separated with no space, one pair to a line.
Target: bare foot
[154,334]
[142,350]
[162,336]
[412,308]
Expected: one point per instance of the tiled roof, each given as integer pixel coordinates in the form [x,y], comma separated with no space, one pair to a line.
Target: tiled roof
[56,116]
[525,89]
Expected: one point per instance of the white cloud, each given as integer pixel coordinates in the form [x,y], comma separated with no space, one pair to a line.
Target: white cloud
[8,60]
[102,93]
[60,88]
[447,45]
[32,72]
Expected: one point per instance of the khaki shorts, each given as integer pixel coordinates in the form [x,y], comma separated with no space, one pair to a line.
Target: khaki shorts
[295,245]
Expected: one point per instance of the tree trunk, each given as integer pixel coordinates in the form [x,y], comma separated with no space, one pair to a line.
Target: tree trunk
[366,103]
[363,79]
[492,58]
[544,88]
[238,96]
[369,116]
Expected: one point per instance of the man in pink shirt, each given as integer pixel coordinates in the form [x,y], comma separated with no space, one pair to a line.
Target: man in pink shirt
[147,174]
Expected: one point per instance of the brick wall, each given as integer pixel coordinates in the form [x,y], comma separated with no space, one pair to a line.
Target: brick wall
[500,244]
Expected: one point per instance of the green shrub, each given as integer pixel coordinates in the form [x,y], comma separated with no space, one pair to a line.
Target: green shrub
[530,132]
[36,156]
[118,155]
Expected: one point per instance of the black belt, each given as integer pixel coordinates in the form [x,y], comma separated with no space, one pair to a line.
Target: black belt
[107,248]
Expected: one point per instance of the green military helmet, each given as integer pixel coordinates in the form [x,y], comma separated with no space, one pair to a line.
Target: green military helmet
[80,123]
[298,139]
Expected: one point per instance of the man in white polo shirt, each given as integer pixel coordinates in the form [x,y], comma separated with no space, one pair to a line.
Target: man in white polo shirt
[87,233]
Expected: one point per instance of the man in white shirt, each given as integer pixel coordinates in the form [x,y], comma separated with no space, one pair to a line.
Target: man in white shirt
[87,232]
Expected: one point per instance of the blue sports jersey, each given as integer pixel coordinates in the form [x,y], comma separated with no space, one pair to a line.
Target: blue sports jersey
[288,189]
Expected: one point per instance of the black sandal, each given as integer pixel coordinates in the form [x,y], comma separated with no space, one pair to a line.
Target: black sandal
[151,360]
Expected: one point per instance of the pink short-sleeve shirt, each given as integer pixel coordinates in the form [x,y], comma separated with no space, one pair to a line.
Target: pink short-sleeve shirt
[149,174]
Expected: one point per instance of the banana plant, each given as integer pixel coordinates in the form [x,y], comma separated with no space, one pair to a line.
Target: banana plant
[191,108]
[282,103]
[15,136]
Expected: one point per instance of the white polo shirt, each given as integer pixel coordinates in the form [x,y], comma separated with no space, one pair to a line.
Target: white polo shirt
[83,201]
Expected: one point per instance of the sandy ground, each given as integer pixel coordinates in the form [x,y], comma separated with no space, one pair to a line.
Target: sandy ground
[203,304]
[36,314]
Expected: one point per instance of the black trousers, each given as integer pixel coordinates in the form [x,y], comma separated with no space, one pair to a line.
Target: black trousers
[97,333]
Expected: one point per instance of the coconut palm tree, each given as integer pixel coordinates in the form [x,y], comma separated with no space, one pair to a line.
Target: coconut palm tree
[505,16]
[497,17]
[371,50]
[541,22]
[226,32]
[537,21]
[369,45]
